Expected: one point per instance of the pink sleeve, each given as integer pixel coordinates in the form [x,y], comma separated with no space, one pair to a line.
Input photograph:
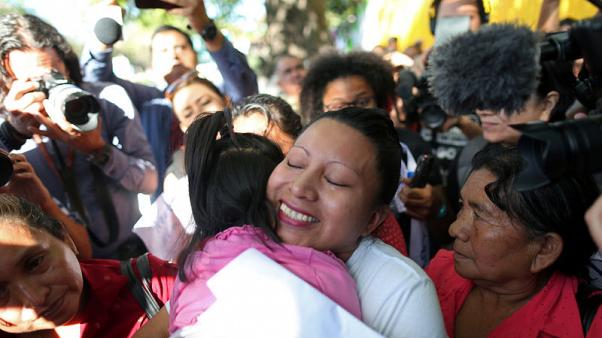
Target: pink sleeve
[329,275]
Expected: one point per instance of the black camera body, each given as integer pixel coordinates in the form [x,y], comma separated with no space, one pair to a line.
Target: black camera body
[6,168]
[79,107]
[554,150]
[420,105]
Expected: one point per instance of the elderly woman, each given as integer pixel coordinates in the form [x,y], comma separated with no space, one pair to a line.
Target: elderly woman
[46,292]
[518,257]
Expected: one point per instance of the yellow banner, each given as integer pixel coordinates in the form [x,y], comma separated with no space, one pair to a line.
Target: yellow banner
[408,20]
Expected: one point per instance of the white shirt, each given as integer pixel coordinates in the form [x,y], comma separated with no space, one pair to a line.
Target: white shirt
[397,297]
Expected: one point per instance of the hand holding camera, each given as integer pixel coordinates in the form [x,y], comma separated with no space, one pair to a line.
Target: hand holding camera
[22,103]
[68,113]
[24,182]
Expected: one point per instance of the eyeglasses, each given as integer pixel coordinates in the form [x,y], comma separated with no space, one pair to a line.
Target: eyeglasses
[362,102]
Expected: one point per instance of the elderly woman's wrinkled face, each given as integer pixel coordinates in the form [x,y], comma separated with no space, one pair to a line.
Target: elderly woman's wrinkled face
[488,246]
[325,189]
[40,280]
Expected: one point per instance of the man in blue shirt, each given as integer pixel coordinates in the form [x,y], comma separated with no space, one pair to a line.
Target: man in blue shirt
[172,56]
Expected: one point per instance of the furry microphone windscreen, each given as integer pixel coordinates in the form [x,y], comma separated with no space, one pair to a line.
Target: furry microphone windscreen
[495,68]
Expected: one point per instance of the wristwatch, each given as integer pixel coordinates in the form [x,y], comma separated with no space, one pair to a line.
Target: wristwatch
[209,32]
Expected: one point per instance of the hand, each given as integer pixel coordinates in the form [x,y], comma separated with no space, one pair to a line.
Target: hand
[419,202]
[177,71]
[26,184]
[85,142]
[23,103]
[194,10]
[593,217]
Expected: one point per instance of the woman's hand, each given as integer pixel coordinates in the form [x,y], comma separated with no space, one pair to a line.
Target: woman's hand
[419,202]
[26,184]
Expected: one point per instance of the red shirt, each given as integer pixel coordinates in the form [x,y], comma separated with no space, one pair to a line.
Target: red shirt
[552,312]
[111,310]
[390,233]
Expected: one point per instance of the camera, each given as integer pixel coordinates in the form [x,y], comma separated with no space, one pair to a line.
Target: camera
[569,147]
[420,105]
[6,168]
[146,4]
[79,107]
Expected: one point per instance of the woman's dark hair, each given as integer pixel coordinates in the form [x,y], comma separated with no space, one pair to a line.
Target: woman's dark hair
[227,179]
[273,108]
[170,28]
[16,209]
[378,128]
[557,76]
[23,32]
[557,207]
[331,66]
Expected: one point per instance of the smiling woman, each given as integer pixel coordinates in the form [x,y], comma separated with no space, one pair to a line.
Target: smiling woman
[333,195]
[44,289]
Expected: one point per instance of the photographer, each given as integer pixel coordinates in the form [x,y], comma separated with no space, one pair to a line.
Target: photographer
[172,56]
[96,169]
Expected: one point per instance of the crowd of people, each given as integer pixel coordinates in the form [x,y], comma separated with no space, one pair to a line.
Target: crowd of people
[298,214]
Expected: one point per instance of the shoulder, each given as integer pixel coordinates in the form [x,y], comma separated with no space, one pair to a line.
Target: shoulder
[397,297]
[374,257]
[442,265]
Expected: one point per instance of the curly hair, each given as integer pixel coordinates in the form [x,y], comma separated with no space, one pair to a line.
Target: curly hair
[331,66]
[22,32]
[273,108]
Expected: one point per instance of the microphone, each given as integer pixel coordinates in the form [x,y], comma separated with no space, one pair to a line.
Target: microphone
[495,68]
[107,31]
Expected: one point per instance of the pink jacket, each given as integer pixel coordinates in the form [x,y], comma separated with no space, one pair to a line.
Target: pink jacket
[323,270]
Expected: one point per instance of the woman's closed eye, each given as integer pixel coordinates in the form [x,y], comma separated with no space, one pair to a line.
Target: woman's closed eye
[336,183]
[294,164]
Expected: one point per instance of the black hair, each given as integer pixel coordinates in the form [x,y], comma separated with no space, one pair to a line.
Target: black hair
[495,68]
[16,209]
[274,108]
[557,207]
[376,125]
[170,28]
[23,32]
[330,66]
[557,76]
[227,179]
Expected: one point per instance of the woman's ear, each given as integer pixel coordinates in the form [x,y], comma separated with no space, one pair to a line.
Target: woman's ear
[378,217]
[549,102]
[550,248]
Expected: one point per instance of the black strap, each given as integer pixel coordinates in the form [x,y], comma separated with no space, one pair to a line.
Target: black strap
[588,299]
[103,197]
[141,287]
[66,175]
